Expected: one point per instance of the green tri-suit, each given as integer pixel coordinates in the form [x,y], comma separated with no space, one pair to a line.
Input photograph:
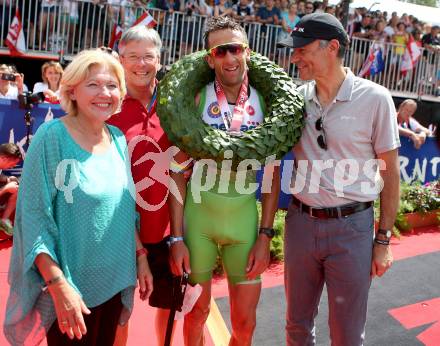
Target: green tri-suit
[222,223]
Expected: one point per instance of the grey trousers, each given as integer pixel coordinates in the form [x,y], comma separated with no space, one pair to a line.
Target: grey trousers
[336,252]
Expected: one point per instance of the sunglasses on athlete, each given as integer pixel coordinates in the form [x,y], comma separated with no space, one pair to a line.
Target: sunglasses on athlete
[221,50]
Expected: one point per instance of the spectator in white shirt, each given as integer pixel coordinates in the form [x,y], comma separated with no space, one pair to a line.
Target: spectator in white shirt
[410,127]
[51,73]
[11,83]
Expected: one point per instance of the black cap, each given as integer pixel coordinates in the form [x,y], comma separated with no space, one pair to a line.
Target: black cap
[315,26]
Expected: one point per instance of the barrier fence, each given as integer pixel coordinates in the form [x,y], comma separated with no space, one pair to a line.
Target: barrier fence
[63,28]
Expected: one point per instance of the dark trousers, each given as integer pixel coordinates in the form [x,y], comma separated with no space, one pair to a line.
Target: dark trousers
[101,326]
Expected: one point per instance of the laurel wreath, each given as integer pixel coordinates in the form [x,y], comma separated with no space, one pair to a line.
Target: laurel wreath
[279,132]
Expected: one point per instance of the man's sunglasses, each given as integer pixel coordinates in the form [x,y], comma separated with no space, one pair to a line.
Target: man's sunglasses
[322,142]
[221,50]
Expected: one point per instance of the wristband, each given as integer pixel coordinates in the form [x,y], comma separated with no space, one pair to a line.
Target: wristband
[382,242]
[52,281]
[141,251]
[174,240]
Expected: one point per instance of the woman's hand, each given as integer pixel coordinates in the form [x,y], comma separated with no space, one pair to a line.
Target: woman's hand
[69,308]
[51,96]
[145,277]
[19,81]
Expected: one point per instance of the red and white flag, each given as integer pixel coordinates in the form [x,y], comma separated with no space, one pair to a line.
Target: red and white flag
[115,36]
[15,39]
[410,57]
[146,19]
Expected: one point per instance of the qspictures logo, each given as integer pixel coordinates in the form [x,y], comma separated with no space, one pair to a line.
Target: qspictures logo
[340,177]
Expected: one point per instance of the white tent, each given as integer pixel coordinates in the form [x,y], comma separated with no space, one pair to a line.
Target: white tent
[424,13]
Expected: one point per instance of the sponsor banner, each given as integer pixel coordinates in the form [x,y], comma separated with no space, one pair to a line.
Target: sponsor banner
[13,127]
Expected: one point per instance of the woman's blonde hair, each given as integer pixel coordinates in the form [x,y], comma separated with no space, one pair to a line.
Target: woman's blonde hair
[55,65]
[78,70]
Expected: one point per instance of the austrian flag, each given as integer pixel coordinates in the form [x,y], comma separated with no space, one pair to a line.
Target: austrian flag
[412,54]
[115,36]
[15,39]
[146,19]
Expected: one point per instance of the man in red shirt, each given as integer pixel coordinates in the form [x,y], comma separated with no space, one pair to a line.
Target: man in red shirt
[139,50]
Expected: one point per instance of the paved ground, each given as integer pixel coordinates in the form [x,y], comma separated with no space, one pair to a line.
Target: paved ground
[404,305]
[403,309]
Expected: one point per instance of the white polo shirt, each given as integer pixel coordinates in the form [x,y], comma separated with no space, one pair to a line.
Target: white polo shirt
[360,123]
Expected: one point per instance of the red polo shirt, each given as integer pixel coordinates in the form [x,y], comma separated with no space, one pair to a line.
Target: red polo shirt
[135,120]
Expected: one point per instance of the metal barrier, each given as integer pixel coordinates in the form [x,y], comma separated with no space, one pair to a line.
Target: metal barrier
[65,27]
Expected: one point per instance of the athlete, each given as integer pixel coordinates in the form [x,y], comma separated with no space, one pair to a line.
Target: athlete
[224,220]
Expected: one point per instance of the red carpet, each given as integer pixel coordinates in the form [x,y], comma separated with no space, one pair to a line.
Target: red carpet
[142,323]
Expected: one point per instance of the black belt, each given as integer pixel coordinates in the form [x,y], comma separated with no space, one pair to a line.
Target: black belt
[331,213]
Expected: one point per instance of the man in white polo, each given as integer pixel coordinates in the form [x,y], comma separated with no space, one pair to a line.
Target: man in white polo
[329,232]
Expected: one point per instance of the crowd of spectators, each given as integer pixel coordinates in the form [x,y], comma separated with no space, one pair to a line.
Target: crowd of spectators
[94,21]
[42,17]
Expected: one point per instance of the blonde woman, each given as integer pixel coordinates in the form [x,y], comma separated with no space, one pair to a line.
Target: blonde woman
[76,251]
[51,73]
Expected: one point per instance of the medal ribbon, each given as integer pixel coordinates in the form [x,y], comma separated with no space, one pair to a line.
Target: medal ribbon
[232,122]
[152,101]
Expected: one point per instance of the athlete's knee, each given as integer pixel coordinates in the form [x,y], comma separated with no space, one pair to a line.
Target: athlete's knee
[198,315]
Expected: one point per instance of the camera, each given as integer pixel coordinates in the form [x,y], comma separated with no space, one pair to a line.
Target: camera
[189,9]
[8,76]
[28,99]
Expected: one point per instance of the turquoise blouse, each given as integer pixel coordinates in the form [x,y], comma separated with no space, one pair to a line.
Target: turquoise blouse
[79,208]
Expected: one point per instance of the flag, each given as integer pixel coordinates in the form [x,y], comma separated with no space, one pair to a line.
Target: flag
[146,19]
[11,136]
[15,39]
[410,57]
[115,36]
[378,64]
[374,63]
[49,115]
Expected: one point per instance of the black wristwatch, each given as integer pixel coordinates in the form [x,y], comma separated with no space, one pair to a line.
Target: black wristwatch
[268,232]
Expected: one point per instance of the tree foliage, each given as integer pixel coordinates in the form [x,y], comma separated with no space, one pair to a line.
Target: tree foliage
[431,3]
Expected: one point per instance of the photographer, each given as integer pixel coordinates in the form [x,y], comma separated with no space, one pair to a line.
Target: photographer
[11,83]
[10,156]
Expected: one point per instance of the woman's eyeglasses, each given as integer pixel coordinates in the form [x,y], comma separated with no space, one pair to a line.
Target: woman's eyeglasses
[322,142]
[221,50]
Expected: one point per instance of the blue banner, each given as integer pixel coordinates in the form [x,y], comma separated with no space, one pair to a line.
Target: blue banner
[13,127]
[422,164]
[419,164]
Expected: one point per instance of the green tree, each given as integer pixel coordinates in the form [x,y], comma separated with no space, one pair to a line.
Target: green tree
[432,3]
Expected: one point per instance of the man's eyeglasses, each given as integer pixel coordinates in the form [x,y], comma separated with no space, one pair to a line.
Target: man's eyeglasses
[133,59]
[322,142]
[221,50]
